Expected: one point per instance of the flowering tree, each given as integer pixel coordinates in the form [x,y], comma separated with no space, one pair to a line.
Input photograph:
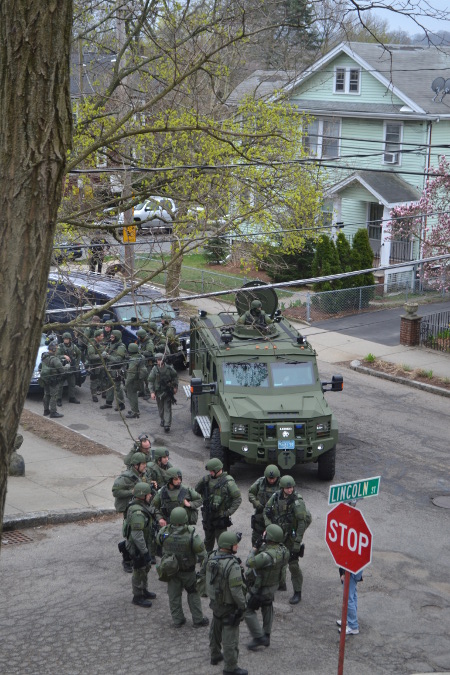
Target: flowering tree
[428,222]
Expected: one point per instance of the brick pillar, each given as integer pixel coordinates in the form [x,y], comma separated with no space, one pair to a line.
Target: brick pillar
[409,330]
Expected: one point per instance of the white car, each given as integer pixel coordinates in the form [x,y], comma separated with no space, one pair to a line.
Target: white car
[156,213]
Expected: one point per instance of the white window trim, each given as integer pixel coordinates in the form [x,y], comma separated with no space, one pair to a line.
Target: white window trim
[347,91]
[399,163]
[320,121]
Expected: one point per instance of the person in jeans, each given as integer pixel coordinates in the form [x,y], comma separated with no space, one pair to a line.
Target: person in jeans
[352,608]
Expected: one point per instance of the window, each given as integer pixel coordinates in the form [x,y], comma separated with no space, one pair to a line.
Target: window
[322,138]
[392,143]
[292,374]
[246,374]
[346,80]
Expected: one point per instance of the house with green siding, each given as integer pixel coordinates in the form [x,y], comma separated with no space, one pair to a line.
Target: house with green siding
[376,124]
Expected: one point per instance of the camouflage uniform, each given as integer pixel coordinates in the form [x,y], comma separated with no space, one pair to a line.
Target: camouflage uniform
[291,514]
[170,496]
[138,532]
[185,544]
[221,498]
[258,495]
[136,373]
[52,373]
[147,350]
[163,383]
[95,364]
[115,356]
[156,471]
[73,373]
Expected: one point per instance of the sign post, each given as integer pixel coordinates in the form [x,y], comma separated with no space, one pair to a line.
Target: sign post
[349,539]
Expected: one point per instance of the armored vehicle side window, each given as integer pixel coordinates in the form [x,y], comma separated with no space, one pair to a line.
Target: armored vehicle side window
[292,374]
[143,312]
[246,374]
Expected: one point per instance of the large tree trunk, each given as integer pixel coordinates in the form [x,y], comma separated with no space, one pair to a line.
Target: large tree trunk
[35,133]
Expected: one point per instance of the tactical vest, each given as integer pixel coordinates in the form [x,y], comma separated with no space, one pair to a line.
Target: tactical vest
[138,518]
[218,569]
[217,492]
[284,513]
[265,490]
[49,371]
[271,575]
[158,474]
[180,544]
[173,498]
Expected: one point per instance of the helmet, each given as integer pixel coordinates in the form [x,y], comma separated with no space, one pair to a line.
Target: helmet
[287,482]
[214,464]
[67,336]
[153,326]
[117,334]
[133,348]
[166,317]
[161,452]
[52,347]
[98,333]
[142,489]
[141,332]
[138,458]
[256,304]
[274,533]
[109,323]
[178,516]
[159,356]
[271,471]
[174,473]
[227,540]
[95,319]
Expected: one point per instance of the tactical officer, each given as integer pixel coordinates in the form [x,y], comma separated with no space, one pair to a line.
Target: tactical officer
[107,331]
[224,586]
[142,444]
[156,336]
[266,565]
[138,533]
[95,363]
[157,470]
[147,350]
[255,316]
[51,378]
[287,509]
[221,498]
[123,490]
[114,355]
[182,542]
[175,494]
[258,495]
[67,348]
[136,374]
[86,336]
[163,383]
[168,332]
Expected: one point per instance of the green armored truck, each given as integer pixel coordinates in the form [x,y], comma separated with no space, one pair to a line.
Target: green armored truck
[255,388]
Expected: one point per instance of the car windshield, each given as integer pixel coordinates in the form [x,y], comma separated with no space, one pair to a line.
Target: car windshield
[246,374]
[144,311]
[292,374]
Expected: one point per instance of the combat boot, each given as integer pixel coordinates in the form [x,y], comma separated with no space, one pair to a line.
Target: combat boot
[149,595]
[216,659]
[282,586]
[236,671]
[141,601]
[56,414]
[295,598]
[46,413]
[59,402]
[132,415]
[203,622]
[74,400]
[263,641]
[95,399]
[105,405]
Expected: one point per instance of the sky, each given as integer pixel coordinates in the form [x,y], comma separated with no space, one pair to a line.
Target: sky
[398,21]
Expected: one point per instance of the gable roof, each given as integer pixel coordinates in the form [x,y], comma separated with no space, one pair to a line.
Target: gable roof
[387,187]
[405,70]
[260,84]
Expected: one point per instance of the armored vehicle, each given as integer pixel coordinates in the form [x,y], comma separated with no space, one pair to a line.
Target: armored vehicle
[255,388]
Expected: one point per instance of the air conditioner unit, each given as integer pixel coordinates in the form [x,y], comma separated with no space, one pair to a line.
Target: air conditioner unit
[391,157]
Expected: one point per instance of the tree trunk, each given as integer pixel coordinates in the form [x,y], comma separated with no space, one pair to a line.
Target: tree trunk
[35,133]
[173,278]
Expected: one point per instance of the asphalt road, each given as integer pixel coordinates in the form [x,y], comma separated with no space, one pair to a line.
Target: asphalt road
[67,604]
[382,326]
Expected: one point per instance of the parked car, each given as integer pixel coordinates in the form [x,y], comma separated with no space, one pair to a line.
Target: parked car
[35,387]
[155,213]
[79,292]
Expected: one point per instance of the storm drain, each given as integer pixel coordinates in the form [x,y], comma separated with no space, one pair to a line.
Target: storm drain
[15,537]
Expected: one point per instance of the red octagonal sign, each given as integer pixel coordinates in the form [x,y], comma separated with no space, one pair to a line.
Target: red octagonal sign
[349,538]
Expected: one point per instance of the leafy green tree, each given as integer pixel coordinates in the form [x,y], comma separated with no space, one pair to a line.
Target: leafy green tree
[362,258]
[326,262]
[291,266]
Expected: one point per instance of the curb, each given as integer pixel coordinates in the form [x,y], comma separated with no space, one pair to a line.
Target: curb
[430,388]
[40,518]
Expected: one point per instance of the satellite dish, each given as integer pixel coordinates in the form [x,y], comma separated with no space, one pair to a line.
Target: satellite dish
[437,86]
[446,90]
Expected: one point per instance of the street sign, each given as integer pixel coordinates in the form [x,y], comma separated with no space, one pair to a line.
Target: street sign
[358,489]
[349,538]
[129,234]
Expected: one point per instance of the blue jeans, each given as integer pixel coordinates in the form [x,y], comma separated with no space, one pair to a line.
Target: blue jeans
[352,609]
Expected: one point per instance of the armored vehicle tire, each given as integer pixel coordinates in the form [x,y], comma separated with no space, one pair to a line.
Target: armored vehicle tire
[194,412]
[327,464]
[217,451]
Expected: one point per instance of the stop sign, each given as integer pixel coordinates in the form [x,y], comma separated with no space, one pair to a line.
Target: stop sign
[349,538]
